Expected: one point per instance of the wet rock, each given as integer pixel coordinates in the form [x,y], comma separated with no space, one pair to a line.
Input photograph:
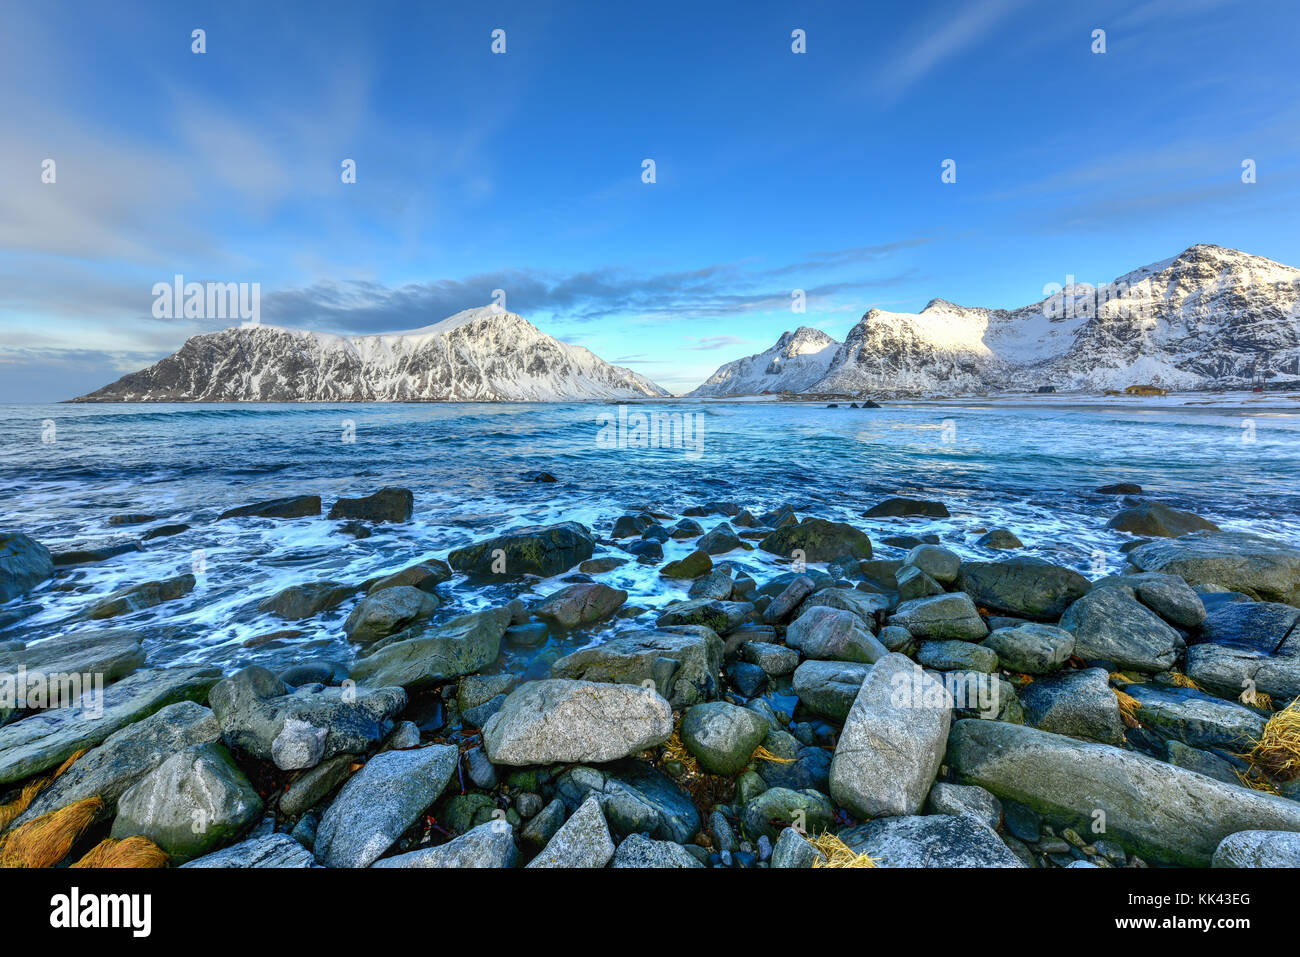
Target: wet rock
[956,656]
[646,552]
[1195,718]
[427,654]
[97,553]
[906,507]
[1120,488]
[749,680]
[24,564]
[1079,704]
[133,598]
[720,616]
[1153,520]
[1202,762]
[426,576]
[778,808]
[387,505]
[686,528]
[1258,849]
[164,531]
[818,540]
[831,633]
[306,600]
[784,604]
[1261,626]
[683,663]
[636,798]
[273,850]
[1162,813]
[110,653]
[1264,569]
[1031,648]
[315,784]
[719,540]
[1230,670]
[295,506]
[892,744]
[1023,586]
[942,616]
[935,840]
[598,566]
[722,736]
[717,585]
[1167,595]
[1001,538]
[192,803]
[629,526]
[562,720]
[965,799]
[1110,624]
[538,831]
[491,844]
[576,605]
[867,606]
[542,550]
[694,565]
[775,660]
[530,635]
[914,583]
[639,851]
[583,841]
[381,801]
[829,688]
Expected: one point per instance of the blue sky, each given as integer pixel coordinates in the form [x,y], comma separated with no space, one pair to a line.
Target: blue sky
[775,171]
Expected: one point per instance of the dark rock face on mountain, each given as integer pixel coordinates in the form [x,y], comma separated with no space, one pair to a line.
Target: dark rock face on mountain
[478,355]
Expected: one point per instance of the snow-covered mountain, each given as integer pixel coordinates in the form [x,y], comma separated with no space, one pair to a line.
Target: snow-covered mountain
[798,361]
[1208,318]
[483,354]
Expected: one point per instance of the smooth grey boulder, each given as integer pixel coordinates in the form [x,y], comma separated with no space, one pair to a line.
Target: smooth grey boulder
[387,612]
[914,583]
[24,564]
[956,656]
[273,850]
[125,757]
[775,660]
[300,729]
[831,633]
[491,844]
[1078,703]
[868,606]
[47,738]
[969,799]
[1167,595]
[582,841]
[1162,813]
[191,804]
[777,808]
[941,616]
[427,654]
[683,662]
[1258,849]
[111,653]
[580,604]
[1031,648]
[1023,586]
[893,741]
[1110,624]
[828,688]
[305,600]
[941,564]
[1153,520]
[637,850]
[543,722]
[381,801]
[1230,670]
[934,840]
[722,736]
[542,550]
[1262,568]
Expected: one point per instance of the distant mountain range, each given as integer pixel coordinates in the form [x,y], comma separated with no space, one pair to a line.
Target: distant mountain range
[483,354]
[1208,317]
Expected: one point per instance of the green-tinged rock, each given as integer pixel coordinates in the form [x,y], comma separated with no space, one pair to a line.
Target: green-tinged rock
[426,654]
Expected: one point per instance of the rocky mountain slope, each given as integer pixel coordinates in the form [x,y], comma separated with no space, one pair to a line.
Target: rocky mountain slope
[482,354]
[798,361]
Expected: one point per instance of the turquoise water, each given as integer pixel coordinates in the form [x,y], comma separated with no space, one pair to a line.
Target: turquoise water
[1029,469]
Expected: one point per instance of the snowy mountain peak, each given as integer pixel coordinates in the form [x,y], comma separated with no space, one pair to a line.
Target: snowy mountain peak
[793,364]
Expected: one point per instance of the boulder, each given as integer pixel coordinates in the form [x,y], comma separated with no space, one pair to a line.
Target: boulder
[818,540]
[426,576]
[942,616]
[561,720]
[1119,488]
[295,506]
[893,741]
[831,633]
[939,563]
[305,601]
[133,598]
[828,688]
[1258,849]
[775,660]
[427,654]
[1196,718]
[1167,595]
[683,663]
[999,538]
[719,540]
[388,611]
[583,841]
[1230,670]
[1261,626]
[193,803]
[793,850]
[1164,814]
[581,604]
[387,505]
[719,616]
[957,656]
[1153,520]
[914,583]
[24,564]
[273,850]
[381,801]
[640,851]
[935,840]
[635,797]
[1262,568]
[906,508]
[784,604]
[694,565]
[491,844]
[542,550]
[779,808]
[717,584]
[110,653]
[1023,586]
[1078,703]
[1110,624]
[868,606]
[722,736]
[969,799]
[1031,648]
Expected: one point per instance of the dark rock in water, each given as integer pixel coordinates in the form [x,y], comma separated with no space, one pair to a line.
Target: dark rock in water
[1262,568]
[720,539]
[1023,586]
[774,586]
[749,680]
[313,672]
[999,538]
[273,850]
[260,716]
[133,518]
[871,404]
[818,540]
[712,508]
[720,616]
[1159,521]
[656,533]
[1110,624]
[1120,488]
[387,505]
[744,519]
[164,531]
[683,663]
[135,598]
[426,654]
[778,516]
[907,541]
[297,506]
[629,526]
[686,528]
[426,576]
[307,600]
[577,605]
[539,477]
[694,565]
[355,529]
[853,405]
[543,550]
[387,612]
[528,635]
[1079,704]
[647,552]
[932,840]
[598,566]
[903,507]
[89,556]
[717,584]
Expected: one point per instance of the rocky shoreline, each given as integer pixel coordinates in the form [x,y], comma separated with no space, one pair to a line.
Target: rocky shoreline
[850,711]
